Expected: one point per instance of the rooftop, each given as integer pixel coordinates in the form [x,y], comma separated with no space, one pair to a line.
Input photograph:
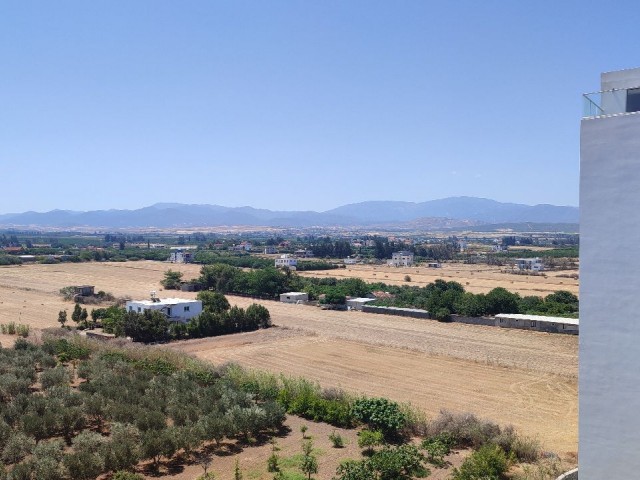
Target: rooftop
[538,318]
[165,301]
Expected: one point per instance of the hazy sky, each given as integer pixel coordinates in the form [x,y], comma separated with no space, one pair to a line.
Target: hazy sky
[298,104]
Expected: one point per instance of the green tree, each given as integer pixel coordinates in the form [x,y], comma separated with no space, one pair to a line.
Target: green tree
[83,317]
[148,326]
[77,313]
[309,464]
[62,317]
[237,473]
[500,300]
[213,302]
[122,451]
[47,461]
[124,475]
[171,280]
[17,447]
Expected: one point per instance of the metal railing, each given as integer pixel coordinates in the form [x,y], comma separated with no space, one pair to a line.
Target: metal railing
[607,102]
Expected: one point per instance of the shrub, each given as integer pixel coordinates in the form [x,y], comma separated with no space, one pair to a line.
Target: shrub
[464,429]
[336,440]
[437,448]
[124,475]
[490,462]
[380,414]
[407,278]
[368,439]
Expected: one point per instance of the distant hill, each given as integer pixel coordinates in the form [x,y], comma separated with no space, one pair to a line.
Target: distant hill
[447,212]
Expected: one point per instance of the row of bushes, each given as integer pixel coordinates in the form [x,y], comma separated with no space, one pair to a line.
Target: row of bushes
[12,328]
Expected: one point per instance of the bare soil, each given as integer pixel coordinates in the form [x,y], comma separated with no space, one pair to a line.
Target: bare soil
[474,278]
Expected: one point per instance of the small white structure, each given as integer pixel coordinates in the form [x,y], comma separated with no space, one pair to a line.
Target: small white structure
[402,258]
[533,264]
[358,303]
[350,261]
[294,297]
[286,261]
[434,265]
[176,309]
[538,322]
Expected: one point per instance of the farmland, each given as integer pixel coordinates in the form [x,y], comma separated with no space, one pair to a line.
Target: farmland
[527,379]
[476,278]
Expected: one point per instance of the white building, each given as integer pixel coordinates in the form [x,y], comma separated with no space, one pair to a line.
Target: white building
[541,323]
[179,256]
[609,376]
[176,309]
[358,303]
[286,261]
[403,258]
[294,297]
[350,261]
[532,264]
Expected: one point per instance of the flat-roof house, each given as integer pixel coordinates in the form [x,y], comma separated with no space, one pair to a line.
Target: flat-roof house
[176,309]
[403,258]
[533,264]
[286,261]
[294,297]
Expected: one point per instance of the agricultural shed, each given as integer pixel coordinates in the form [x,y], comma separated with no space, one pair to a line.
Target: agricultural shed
[538,322]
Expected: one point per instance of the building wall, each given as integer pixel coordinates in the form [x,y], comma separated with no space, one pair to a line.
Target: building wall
[609,301]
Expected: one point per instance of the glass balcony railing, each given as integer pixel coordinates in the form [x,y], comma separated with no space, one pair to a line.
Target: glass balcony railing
[611,102]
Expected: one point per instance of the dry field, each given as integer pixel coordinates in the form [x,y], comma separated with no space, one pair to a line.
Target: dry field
[474,278]
[527,379]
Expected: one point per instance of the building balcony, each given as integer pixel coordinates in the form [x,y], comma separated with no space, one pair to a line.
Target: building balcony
[611,102]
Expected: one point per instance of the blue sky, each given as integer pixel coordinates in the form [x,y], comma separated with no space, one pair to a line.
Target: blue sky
[298,104]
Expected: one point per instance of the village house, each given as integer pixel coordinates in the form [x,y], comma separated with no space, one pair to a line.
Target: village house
[176,309]
[403,258]
[286,261]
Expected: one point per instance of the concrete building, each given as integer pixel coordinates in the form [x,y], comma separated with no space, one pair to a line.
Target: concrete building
[178,256]
[529,264]
[304,253]
[286,261]
[358,303]
[609,376]
[176,309]
[294,297]
[350,261]
[84,290]
[538,323]
[402,258]
[269,249]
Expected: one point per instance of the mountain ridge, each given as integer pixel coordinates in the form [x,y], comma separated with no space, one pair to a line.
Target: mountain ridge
[170,215]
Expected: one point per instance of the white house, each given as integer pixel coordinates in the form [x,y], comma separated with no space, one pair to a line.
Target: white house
[176,309]
[286,261]
[402,258]
[533,264]
[294,297]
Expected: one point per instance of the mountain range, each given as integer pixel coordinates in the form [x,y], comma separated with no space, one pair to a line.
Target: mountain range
[458,210]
